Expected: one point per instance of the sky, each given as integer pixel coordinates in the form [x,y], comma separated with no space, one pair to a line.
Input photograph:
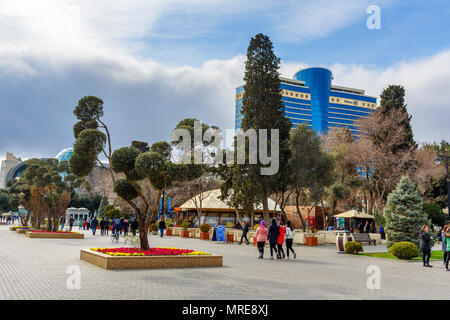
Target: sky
[154,63]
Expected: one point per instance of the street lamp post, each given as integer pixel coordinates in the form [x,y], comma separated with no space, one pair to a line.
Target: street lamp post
[439,159]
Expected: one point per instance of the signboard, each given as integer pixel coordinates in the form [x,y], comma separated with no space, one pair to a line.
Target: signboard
[160,208]
[169,207]
[219,233]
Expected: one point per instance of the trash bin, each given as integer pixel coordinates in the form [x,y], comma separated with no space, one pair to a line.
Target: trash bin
[342,237]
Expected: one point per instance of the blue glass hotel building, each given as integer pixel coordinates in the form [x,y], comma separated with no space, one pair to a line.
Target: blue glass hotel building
[311,98]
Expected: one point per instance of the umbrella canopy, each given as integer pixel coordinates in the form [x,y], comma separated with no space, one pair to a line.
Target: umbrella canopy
[5,214]
[354,214]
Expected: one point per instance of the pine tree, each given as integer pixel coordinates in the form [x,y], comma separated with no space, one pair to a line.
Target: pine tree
[404,214]
[101,207]
[393,98]
[263,109]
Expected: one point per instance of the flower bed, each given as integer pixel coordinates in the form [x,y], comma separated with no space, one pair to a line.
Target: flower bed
[150,252]
[41,231]
[133,258]
[54,235]
[14,228]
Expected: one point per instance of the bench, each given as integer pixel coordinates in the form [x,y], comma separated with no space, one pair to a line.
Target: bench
[363,237]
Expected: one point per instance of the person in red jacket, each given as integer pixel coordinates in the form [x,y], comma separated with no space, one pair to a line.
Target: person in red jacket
[281,240]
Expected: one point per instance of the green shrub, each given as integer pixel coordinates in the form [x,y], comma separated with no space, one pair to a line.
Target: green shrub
[353,247]
[256,226]
[205,228]
[169,223]
[404,250]
[185,224]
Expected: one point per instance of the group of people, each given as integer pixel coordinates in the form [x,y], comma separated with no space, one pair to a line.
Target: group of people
[8,219]
[277,234]
[425,245]
[366,227]
[117,224]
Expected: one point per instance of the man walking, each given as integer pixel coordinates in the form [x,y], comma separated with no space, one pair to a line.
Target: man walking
[70,223]
[134,226]
[94,224]
[244,232]
[162,226]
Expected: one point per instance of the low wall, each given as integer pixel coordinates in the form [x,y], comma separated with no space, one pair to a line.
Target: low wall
[56,235]
[177,231]
[149,262]
[22,231]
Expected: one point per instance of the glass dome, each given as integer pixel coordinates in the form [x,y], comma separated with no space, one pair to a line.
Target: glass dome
[64,155]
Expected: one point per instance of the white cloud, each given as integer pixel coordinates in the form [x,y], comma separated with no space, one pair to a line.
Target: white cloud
[304,20]
[53,52]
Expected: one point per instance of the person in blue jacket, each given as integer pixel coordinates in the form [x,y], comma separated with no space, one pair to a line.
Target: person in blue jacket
[272,236]
[94,224]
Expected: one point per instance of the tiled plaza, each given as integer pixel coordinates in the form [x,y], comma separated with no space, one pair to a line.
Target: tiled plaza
[37,269]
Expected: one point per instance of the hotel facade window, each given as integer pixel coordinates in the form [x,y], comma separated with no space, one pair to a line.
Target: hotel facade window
[311,98]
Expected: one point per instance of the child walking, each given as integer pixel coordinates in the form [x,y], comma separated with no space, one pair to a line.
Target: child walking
[289,239]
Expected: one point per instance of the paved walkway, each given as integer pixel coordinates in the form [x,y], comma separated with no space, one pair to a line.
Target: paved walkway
[36,269]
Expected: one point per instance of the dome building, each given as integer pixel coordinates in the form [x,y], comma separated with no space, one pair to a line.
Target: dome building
[64,154]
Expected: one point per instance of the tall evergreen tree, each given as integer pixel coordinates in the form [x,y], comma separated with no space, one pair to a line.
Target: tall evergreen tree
[262,109]
[393,98]
[101,207]
[404,214]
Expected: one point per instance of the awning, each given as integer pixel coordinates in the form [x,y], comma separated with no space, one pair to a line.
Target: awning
[354,214]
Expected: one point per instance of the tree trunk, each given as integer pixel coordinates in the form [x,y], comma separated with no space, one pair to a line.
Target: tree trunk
[297,195]
[324,217]
[143,237]
[238,217]
[265,204]
[283,216]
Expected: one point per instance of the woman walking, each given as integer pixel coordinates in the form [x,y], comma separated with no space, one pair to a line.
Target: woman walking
[261,237]
[274,231]
[425,241]
[446,241]
[126,225]
[444,245]
[62,221]
[280,240]
[289,239]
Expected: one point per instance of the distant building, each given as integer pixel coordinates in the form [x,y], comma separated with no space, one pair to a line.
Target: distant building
[64,154]
[6,169]
[311,98]
[78,214]
[218,212]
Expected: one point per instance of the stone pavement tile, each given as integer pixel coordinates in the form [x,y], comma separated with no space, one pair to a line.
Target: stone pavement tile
[36,269]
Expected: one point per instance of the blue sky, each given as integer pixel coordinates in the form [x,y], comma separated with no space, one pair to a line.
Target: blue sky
[410,29]
[157,62]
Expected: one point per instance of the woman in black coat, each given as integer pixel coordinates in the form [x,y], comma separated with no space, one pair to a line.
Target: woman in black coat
[425,241]
[274,231]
